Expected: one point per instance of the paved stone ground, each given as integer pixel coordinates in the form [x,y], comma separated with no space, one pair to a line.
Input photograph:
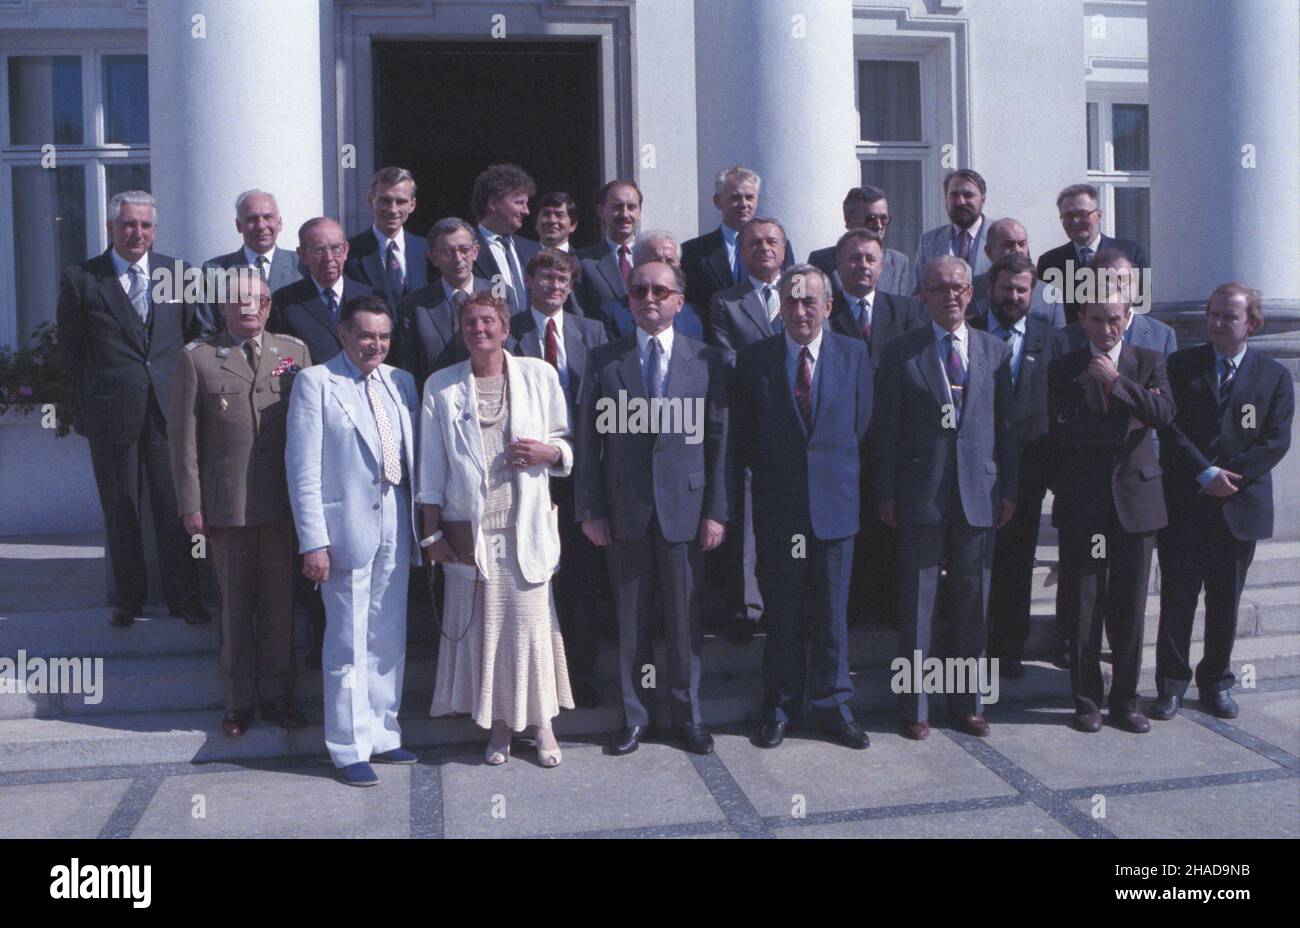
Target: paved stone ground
[1195,776]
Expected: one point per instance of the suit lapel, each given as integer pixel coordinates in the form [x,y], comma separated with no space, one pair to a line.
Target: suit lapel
[608,268]
[629,370]
[928,360]
[575,349]
[115,298]
[977,362]
[1210,371]
[233,359]
[350,394]
[752,305]
[717,263]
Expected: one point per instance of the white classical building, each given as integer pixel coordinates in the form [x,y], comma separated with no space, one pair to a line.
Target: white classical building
[1186,113]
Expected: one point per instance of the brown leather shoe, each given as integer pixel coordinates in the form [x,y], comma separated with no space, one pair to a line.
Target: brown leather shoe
[917,731]
[972,725]
[1089,722]
[236,722]
[1131,720]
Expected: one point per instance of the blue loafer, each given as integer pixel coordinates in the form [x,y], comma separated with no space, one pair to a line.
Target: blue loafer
[395,756]
[360,774]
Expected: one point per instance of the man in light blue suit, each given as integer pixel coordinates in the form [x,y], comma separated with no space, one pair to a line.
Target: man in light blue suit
[349,459]
[963,236]
[258,220]
[1005,237]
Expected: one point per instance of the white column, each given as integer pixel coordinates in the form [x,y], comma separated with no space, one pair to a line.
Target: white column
[234,103]
[1225,148]
[775,91]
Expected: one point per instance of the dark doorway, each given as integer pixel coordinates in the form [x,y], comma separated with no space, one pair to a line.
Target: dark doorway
[446,110]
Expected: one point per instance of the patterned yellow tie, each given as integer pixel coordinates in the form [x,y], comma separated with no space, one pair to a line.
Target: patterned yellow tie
[387,440]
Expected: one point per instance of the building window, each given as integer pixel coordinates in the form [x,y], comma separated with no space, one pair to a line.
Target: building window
[74,131]
[1119,163]
[896,145]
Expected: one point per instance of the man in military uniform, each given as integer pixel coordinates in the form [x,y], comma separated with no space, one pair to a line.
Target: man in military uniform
[227,435]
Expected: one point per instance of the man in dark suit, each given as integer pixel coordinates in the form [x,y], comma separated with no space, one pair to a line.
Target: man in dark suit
[802,405]
[1103,402]
[944,469]
[309,309]
[500,203]
[257,219]
[1034,345]
[119,344]
[1006,237]
[656,492]
[712,261]
[1232,427]
[427,317]
[607,265]
[565,341]
[654,245]
[866,208]
[557,220]
[863,311]
[1080,211]
[385,257]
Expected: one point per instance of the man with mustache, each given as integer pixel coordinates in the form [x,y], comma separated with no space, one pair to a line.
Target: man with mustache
[963,196]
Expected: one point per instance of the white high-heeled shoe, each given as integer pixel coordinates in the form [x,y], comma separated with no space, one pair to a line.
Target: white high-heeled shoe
[496,754]
[549,758]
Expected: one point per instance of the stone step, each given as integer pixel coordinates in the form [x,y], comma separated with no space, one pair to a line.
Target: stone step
[194,736]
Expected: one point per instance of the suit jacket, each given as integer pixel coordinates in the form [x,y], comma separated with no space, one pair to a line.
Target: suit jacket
[1039,308]
[916,460]
[894,276]
[803,479]
[1143,332]
[1043,344]
[625,476]
[580,336]
[430,337]
[366,264]
[1054,262]
[1185,447]
[297,310]
[738,317]
[891,315]
[704,262]
[601,279]
[111,359]
[453,469]
[938,241]
[334,461]
[285,269]
[1108,462]
[226,429]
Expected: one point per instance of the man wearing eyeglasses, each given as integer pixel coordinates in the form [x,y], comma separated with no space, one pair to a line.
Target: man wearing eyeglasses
[309,309]
[655,496]
[866,208]
[1080,211]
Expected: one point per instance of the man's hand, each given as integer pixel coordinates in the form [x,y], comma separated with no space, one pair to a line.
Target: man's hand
[597,531]
[1222,485]
[193,524]
[316,565]
[1008,510]
[711,534]
[440,552]
[1103,370]
[887,514]
[523,453]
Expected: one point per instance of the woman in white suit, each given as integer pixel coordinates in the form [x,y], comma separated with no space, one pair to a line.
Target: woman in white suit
[495,428]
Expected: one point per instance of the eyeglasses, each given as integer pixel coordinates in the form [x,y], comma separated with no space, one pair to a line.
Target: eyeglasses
[950,288]
[551,278]
[1079,215]
[321,251]
[462,251]
[881,220]
[658,291]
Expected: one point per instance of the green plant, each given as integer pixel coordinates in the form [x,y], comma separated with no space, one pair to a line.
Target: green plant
[32,377]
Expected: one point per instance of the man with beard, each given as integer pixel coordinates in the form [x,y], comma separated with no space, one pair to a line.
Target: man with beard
[1034,346]
[963,237]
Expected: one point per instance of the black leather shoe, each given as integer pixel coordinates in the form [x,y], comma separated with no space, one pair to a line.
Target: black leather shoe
[771,734]
[696,739]
[196,616]
[1089,722]
[1219,704]
[626,741]
[740,630]
[1130,720]
[122,618]
[848,733]
[1165,708]
[1012,668]
[284,712]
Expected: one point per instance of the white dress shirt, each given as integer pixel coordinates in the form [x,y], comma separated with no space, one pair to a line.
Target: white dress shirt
[123,269]
[384,242]
[498,249]
[774,300]
[730,240]
[792,351]
[561,359]
[250,258]
[961,342]
[666,351]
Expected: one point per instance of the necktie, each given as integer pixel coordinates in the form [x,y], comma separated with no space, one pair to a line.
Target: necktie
[252,355]
[331,304]
[1005,335]
[653,385]
[552,345]
[387,440]
[1085,256]
[773,312]
[516,274]
[262,263]
[803,388]
[864,317]
[1227,372]
[965,246]
[396,279]
[956,369]
[737,268]
[624,264]
[139,293]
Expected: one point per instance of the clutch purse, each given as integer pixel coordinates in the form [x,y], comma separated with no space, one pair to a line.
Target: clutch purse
[460,535]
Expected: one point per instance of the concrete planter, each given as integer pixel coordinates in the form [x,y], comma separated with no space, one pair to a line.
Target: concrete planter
[49,486]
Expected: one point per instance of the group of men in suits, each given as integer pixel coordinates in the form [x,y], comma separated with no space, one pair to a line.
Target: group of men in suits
[868,425]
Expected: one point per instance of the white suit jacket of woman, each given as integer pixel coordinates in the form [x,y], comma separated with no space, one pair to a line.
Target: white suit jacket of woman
[452,471]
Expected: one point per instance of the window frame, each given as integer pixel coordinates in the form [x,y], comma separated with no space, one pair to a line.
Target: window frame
[1106,178]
